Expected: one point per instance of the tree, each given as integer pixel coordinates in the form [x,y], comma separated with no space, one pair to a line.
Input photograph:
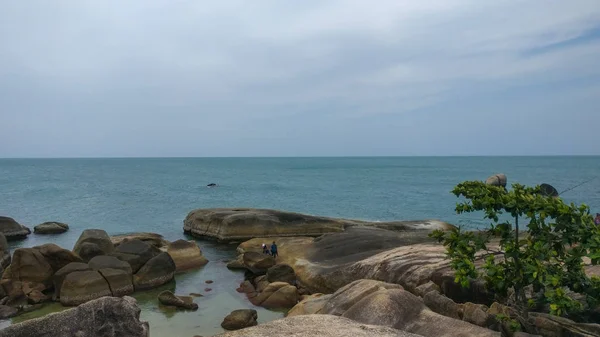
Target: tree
[529,266]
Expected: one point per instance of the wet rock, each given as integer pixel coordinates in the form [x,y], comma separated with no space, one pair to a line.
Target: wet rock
[239,319]
[82,286]
[316,325]
[153,239]
[56,256]
[185,302]
[497,180]
[12,230]
[104,317]
[119,281]
[208,282]
[258,263]
[98,237]
[7,312]
[186,255]
[281,273]
[51,228]
[88,251]
[157,271]
[60,275]
[104,261]
[441,304]
[136,253]
[28,264]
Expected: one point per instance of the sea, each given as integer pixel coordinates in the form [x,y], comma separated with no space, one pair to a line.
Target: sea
[125,195]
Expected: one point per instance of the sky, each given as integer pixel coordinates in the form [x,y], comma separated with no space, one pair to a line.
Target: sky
[158,78]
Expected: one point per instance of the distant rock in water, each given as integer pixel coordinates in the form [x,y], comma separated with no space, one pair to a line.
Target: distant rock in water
[211,185]
[107,316]
[497,180]
[12,230]
[239,224]
[51,228]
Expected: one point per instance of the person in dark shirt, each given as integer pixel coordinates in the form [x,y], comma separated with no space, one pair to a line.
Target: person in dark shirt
[274,250]
[265,249]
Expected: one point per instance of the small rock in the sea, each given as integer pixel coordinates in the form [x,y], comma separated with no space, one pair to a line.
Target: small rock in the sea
[196,295]
[207,289]
[209,281]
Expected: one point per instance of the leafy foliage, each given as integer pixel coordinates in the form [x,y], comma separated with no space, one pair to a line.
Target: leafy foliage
[546,259]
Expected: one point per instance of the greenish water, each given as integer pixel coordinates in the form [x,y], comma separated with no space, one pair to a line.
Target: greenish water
[154,195]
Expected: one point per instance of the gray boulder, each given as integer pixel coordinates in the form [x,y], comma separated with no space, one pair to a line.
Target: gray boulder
[441,304]
[186,255]
[83,286]
[119,281]
[239,319]
[56,256]
[103,261]
[98,237]
[316,325]
[136,253]
[104,317]
[497,180]
[28,264]
[185,302]
[156,272]
[258,263]
[12,230]
[281,273]
[51,228]
[60,275]
[88,250]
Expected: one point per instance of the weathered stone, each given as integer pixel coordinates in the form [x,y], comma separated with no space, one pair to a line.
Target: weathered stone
[56,256]
[4,254]
[554,326]
[247,288]
[7,312]
[82,286]
[136,253]
[186,255]
[36,296]
[60,275]
[153,239]
[104,261]
[238,263]
[261,283]
[425,288]
[185,302]
[477,314]
[104,317]
[277,295]
[28,264]
[258,263]
[157,271]
[310,304]
[95,236]
[12,230]
[441,304]
[316,325]
[88,251]
[497,180]
[51,228]
[281,273]
[119,281]
[239,319]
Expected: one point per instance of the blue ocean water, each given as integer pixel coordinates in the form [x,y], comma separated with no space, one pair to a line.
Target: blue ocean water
[155,195]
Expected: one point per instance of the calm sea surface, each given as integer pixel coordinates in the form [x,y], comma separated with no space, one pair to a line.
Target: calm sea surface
[155,195]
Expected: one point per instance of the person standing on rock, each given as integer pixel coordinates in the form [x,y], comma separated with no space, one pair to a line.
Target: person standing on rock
[274,250]
[265,249]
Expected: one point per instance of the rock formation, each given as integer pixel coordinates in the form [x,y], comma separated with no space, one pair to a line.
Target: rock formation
[185,302]
[12,230]
[186,255]
[51,228]
[239,319]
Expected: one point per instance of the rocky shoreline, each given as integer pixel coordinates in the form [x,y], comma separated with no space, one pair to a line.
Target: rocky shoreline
[332,276]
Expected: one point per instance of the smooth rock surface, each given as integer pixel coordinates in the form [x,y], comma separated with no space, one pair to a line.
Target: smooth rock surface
[136,253]
[258,263]
[12,230]
[316,326]
[497,180]
[239,319]
[56,256]
[186,255]
[4,253]
[51,228]
[104,317]
[98,237]
[119,281]
[28,264]
[277,295]
[88,251]
[281,273]
[157,271]
[104,261]
[60,275]
[153,239]
[83,286]
[185,302]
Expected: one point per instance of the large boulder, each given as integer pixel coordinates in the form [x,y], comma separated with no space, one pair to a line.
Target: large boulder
[28,264]
[378,303]
[4,253]
[98,237]
[104,317]
[281,273]
[185,302]
[277,295]
[157,271]
[60,275]
[82,286]
[239,224]
[186,255]
[135,252]
[554,326]
[12,230]
[88,250]
[497,180]
[258,263]
[441,304]
[309,305]
[153,239]
[51,228]
[56,256]
[119,281]
[316,325]
[104,261]
[239,319]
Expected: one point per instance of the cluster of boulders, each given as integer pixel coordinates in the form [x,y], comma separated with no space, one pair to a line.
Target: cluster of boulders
[98,266]
[12,230]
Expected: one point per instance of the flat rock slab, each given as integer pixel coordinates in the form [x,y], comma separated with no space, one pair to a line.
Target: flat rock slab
[51,228]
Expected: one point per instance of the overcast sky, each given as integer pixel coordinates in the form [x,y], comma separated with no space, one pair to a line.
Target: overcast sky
[299,78]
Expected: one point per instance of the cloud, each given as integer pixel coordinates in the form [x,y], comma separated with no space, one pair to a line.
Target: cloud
[158,78]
